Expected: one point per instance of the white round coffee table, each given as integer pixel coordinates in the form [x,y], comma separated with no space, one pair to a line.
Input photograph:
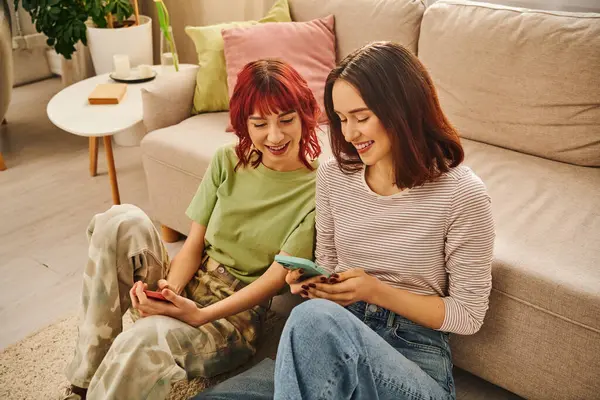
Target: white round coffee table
[70,111]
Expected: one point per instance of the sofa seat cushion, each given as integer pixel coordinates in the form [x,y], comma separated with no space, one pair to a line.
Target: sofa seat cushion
[547,219]
[189,145]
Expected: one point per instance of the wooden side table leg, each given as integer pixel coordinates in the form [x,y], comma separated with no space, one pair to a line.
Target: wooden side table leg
[93,155]
[169,235]
[112,172]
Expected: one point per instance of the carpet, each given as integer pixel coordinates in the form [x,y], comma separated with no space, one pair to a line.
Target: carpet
[34,367]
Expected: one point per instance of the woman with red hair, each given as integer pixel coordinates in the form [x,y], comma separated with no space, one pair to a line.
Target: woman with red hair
[256,200]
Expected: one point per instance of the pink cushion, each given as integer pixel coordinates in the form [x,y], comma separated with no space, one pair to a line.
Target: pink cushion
[309,47]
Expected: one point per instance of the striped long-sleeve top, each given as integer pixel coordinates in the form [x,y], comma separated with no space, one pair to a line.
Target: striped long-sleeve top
[436,239]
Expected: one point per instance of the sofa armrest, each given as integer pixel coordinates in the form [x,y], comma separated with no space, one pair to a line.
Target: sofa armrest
[6,65]
[168,100]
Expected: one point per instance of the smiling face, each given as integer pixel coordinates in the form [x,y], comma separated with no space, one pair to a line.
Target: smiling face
[277,136]
[274,113]
[360,126]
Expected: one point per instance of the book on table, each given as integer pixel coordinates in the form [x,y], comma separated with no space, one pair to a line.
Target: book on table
[108,93]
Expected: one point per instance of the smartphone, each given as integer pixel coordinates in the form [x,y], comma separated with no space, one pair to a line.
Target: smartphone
[310,268]
[155,295]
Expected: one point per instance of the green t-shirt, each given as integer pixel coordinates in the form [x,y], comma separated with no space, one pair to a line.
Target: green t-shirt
[253,214]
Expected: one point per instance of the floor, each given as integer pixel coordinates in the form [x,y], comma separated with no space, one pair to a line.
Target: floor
[47,197]
[46,200]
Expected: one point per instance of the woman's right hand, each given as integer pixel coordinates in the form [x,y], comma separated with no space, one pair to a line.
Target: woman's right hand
[176,306]
[164,284]
[299,286]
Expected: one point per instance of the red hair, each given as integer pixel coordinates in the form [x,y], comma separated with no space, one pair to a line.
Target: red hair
[268,87]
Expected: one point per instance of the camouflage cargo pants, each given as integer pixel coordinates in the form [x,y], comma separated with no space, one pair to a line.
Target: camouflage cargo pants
[141,362]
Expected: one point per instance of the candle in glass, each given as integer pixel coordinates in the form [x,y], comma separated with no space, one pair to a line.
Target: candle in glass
[121,64]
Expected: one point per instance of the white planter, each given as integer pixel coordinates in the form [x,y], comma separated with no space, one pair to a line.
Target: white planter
[55,62]
[135,41]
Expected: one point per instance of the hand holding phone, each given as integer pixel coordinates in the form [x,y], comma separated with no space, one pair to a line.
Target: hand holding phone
[155,295]
[310,268]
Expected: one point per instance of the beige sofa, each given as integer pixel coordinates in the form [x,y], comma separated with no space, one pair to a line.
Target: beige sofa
[523,89]
[29,48]
[6,72]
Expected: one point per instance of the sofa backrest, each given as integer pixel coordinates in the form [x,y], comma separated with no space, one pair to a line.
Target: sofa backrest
[359,22]
[515,78]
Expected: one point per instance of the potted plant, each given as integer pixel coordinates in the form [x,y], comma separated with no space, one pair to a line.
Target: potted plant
[105,26]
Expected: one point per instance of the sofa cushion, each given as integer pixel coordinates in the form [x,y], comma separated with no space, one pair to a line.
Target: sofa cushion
[516,78]
[168,101]
[547,230]
[190,145]
[309,47]
[365,21]
[211,89]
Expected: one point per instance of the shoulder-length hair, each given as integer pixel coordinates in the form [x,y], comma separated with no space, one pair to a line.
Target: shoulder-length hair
[273,86]
[398,89]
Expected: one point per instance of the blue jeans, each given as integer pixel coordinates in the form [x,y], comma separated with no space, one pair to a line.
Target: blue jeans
[362,352]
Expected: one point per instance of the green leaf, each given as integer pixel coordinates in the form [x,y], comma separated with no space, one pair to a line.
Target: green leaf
[54,14]
[100,21]
[62,21]
[60,49]
[68,34]
[162,19]
[123,9]
[97,7]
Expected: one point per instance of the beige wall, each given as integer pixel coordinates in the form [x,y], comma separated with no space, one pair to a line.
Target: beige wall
[200,13]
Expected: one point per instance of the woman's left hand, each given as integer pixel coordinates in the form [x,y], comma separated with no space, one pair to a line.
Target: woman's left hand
[177,306]
[345,288]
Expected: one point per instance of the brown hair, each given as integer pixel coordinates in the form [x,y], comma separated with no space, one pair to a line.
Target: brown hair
[398,89]
[273,86]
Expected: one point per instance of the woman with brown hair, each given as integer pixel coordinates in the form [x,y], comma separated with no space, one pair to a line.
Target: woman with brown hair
[407,233]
